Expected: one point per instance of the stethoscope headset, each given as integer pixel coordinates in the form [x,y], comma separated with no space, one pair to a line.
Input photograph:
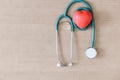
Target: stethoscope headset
[82,20]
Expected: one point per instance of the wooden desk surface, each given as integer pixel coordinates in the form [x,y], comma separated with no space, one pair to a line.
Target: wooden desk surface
[27,41]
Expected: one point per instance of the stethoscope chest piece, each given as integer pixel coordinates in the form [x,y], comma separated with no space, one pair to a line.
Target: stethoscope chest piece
[91,53]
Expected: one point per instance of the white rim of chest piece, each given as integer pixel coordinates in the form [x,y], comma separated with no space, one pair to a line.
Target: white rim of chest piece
[91,53]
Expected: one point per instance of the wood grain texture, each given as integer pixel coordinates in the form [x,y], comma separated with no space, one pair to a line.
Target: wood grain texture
[27,41]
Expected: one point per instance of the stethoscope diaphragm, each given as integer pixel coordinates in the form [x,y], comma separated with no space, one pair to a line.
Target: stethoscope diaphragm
[91,53]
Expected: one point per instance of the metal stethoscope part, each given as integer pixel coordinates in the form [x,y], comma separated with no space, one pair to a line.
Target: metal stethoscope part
[60,62]
[91,51]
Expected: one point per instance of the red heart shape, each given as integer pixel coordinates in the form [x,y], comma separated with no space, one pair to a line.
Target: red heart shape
[82,18]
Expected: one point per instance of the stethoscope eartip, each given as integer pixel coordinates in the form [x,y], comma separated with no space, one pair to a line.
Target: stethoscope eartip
[70,64]
[59,65]
[91,53]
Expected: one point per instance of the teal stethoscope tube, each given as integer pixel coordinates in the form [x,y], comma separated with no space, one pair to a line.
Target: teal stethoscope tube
[73,26]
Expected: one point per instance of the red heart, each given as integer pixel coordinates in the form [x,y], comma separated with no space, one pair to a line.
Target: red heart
[82,18]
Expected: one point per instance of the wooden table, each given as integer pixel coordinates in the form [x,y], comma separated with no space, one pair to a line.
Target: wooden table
[27,41]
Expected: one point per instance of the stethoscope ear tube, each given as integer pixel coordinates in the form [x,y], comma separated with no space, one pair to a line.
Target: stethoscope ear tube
[59,59]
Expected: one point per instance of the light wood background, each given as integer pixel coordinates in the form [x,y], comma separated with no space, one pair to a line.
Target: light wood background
[27,41]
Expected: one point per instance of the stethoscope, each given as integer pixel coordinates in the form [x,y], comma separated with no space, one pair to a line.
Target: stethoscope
[82,14]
